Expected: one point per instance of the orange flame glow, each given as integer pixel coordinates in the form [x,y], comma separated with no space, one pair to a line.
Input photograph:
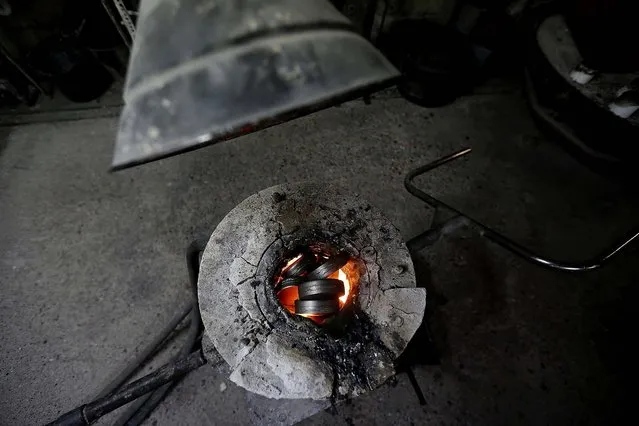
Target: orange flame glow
[347,287]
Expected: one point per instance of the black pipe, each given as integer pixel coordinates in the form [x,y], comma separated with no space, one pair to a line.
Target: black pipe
[88,413]
[147,352]
[139,410]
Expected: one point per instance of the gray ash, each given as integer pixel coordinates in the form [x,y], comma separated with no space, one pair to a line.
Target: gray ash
[351,354]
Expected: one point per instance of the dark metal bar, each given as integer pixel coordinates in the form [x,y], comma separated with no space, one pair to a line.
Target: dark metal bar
[157,383]
[316,307]
[150,349]
[140,409]
[127,22]
[303,265]
[500,239]
[127,39]
[139,412]
[288,282]
[329,267]
[92,411]
[23,71]
[416,387]
[193,255]
[326,289]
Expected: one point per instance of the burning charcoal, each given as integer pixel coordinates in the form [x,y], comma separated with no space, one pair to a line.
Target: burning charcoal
[329,289]
[329,267]
[316,307]
[301,266]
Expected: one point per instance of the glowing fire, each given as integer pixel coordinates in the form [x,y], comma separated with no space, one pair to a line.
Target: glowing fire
[347,287]
[289,295]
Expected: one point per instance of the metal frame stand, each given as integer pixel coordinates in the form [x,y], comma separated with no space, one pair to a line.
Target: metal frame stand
[496,237]
[120,15]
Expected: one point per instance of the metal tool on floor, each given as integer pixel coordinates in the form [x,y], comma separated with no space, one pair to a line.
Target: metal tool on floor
[148,391]
[500,239]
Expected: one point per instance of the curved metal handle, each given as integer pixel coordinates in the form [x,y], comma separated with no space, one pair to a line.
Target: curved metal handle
[502,240]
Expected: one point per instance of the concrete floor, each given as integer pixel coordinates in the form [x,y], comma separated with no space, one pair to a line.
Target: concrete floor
[91,263]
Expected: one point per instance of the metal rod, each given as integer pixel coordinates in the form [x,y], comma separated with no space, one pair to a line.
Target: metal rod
[22,71]
[140,409]
[193,256]
[88,413]
[150,349]
[502,240]
[329,267]
[416,387]
[127,22]
[116,24]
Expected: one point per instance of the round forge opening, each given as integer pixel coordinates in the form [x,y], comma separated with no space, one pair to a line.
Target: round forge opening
[316,282]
